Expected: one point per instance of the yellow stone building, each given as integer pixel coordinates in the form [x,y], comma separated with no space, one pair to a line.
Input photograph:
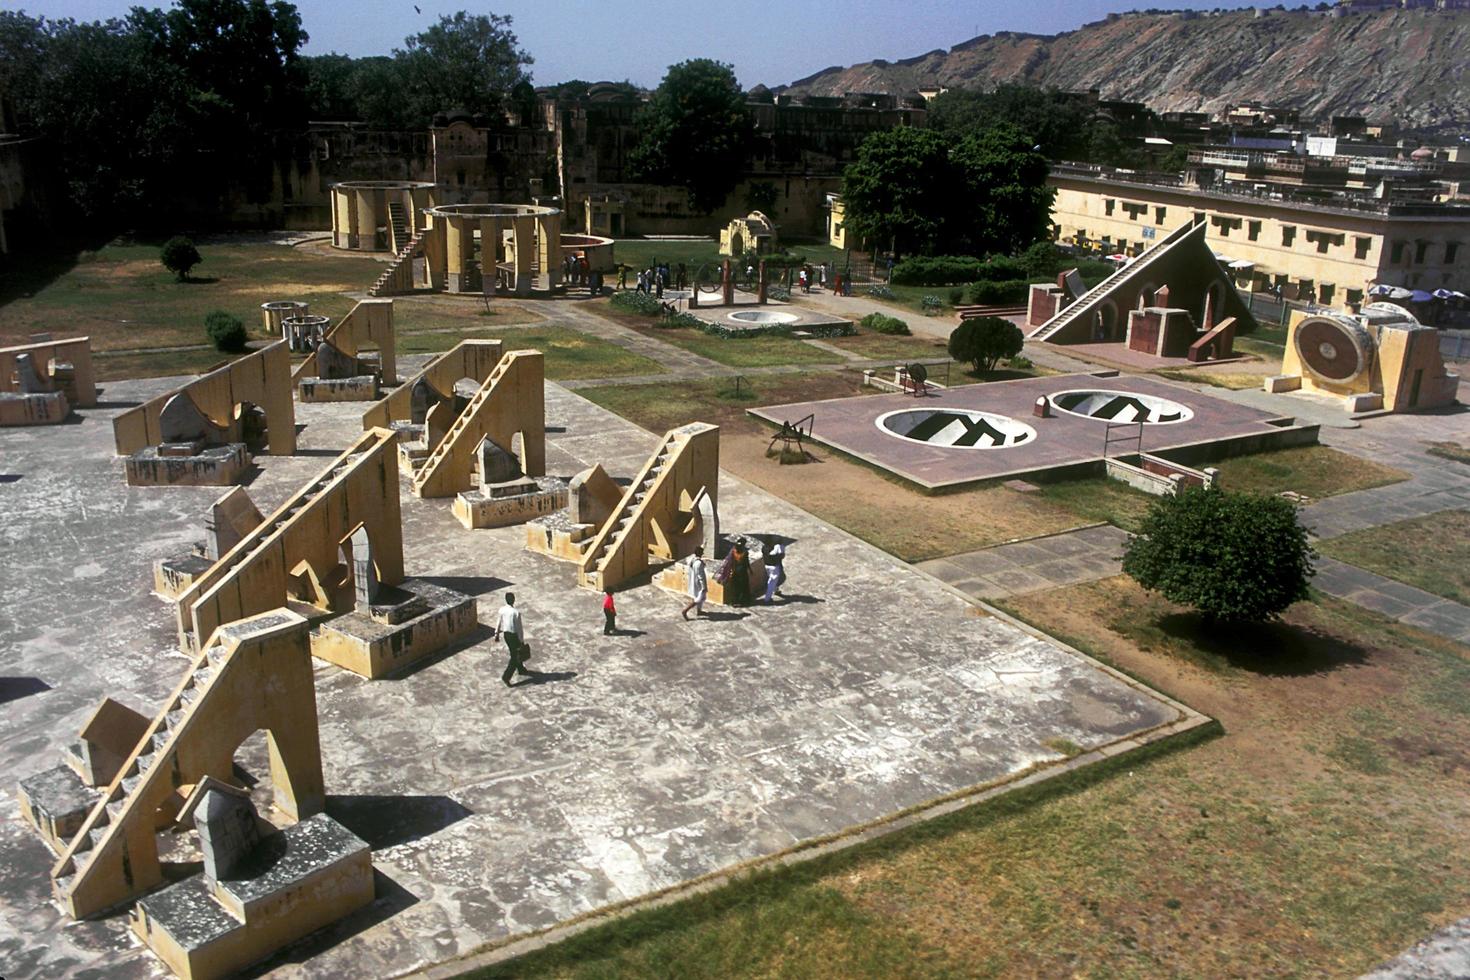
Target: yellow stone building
[1328,252]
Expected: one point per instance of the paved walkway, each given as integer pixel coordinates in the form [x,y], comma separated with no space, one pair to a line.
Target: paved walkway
[1070,558]
[1429,612]
[1443,956]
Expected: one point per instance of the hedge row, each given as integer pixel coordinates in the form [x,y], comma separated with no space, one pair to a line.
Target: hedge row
[945,270]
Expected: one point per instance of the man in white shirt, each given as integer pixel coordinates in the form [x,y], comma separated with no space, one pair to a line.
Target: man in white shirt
[508,625]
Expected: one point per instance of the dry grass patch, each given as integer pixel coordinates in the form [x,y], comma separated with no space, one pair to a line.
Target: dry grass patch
[1431,553]
[1313,471]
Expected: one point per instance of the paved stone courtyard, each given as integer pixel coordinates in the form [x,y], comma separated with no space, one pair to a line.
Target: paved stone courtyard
[630,764]
[1036,564]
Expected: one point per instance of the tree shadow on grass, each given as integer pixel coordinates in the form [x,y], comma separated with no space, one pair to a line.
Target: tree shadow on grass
[1269,649]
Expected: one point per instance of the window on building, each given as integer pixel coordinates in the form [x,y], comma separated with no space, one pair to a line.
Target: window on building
[1396,254]
[1451,249]
[1324,294]
[1288,235]
[1361,246]
[1254,230]
[1421,251]
[1199,216]
[1108,205]
[1159,215]
[1354,297]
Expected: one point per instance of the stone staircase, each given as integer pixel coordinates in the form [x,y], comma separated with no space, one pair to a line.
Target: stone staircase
[440,473]
[398,235]
[615,533]
[398,276]
[1088,302]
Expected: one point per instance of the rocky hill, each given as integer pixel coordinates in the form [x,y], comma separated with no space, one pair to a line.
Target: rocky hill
[1412,66]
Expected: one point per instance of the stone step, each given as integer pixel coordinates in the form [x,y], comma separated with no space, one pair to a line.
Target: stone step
[63,884]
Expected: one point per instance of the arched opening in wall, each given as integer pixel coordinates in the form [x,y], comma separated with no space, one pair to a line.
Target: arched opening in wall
[1107,322]
[1213,309]
[737,244]
[1146,296]
[252,426]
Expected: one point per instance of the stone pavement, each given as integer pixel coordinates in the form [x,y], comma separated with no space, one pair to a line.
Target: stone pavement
[1395,600]
[1443,956]
[627,765]
[1035,564]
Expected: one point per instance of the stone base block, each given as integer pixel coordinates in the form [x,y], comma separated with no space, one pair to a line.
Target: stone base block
[1276,384]
[1371,401]
[308,876]
[362,388]
[217,466]
[55,802]
[45,408]
[557,537]
[675,578]
[478,508]
[359,642]
[173,576]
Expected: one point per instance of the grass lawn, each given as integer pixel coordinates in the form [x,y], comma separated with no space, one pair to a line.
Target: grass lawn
[1431,553]
[123,298]
[1100,499]
[569,354]
[899,350]
[1254,344]
[1313,471]
[1235,380]
[1321,833]
[766,350]
[160,365]
[1451,451]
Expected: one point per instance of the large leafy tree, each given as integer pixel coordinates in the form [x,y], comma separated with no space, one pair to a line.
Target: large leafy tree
[900,190]
[694,133]
[1235,557]
[469,62]
[917,190]
[1062,125]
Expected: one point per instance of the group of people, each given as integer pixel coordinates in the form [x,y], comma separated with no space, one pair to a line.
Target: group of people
[656,278]
[810,277]
[733,573]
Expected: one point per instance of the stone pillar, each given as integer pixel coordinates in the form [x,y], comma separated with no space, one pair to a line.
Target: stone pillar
[367,221]
[490,235]
[524,229]
[548,228]
[760,295]
[349,210]
[336,226]
[459,250]
[435,249]
[727,284]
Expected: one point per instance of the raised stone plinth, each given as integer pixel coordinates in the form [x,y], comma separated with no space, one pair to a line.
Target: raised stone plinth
[359,388]
[509,503]
[558,536]
[55,802]
[173,576]
[404,624]
[39,408]
[212,466]
[300,880]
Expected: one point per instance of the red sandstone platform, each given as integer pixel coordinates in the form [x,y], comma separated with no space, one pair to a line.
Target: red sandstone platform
[1065,445]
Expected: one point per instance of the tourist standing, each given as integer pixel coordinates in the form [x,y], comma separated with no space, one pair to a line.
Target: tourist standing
[609,614]
[698,584]
[508,626]
[737,589]
[775,570]
[622,275]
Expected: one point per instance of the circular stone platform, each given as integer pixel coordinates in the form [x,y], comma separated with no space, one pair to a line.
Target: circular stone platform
[762,317]
[956,428]
[1121,406]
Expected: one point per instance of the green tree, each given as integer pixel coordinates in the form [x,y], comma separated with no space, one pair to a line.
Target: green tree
[179,255]
[225,331]
[464,61]
[1005,204]
[1057,122]
[694,133]
[1235,557]
[900,189]
[983,341]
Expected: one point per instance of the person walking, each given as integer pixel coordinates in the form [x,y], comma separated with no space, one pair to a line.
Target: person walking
[698,584]
[609,614]
[622,275]
[508,626]
[775,571]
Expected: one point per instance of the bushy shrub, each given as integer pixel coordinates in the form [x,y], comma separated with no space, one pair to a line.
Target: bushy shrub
[635,302]
[880,291]
[883,323]
[778,292]
[930,304]
[1020,362]
[957,296]
[984,340]
[1043,259]
[1007,292]
[945,270]
[225,331]
[1235,557]
[178,256]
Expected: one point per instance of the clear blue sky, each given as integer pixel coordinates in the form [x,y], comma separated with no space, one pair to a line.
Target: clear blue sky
[768,41]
